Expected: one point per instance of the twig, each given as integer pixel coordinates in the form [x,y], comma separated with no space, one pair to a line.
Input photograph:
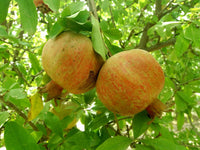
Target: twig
[192,80]
[166,12]
[18,111]
[192,125]
[112,17]
[92,7]
[169,3]
[34,76]
[161,45]
[117,123]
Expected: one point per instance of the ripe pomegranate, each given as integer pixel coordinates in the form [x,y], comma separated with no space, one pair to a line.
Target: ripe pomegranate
[71,62]
[129,82]
[41,6]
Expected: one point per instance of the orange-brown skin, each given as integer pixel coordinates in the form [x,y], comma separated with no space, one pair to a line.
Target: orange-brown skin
[71,62]
[41,6]
[129,81]
[38,2]
[52,89]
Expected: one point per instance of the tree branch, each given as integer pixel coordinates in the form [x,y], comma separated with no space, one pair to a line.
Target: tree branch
[112,17]
[18,111]
[161,45]
[192,125]
[166,12]
[145,37]
[160,13]
[92,7]
[158,7]
[192,80]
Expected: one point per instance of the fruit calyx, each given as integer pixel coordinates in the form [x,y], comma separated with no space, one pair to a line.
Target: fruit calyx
[156,108]
[52,89]
[41,6]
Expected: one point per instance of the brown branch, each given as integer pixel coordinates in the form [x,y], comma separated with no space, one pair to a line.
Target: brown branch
[161,45]
[145,37]
[166,12]
[112,17]
[158,7]
[18,111]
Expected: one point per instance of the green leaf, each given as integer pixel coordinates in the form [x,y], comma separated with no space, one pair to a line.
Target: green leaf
[71,24]
[3,67]
[56,30]
[76,7]
[17,138]
[89,96]
[53,123]
[18,97]
[37,135]
[140,123]
[4,9]
[3,117]
[28,15]
[34,63]
[17,93]
[36,106]
[192,33]
[112,48]
[186,96]
[115,143]
[100,120]
[81,17]
[81,140]
[10,83]
[166,133]
[97,40]
[3,32]
[143,147]
[162,143]
[180,104]
[181,45]
[113,34]
[53,4]
[180,120]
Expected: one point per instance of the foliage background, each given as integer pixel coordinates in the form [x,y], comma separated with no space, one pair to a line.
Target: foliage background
[169,29]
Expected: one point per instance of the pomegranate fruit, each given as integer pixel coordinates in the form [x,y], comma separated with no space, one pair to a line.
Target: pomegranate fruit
[129,82]
[70,61]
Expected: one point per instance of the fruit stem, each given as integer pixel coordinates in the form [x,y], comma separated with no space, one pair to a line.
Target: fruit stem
[156,108]
[117,123]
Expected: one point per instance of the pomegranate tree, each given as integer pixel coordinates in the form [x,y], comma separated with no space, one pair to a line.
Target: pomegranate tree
[130,82]
[71,62]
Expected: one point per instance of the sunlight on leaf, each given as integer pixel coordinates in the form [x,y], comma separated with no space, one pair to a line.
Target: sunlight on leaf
[97,40]
[36,106]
